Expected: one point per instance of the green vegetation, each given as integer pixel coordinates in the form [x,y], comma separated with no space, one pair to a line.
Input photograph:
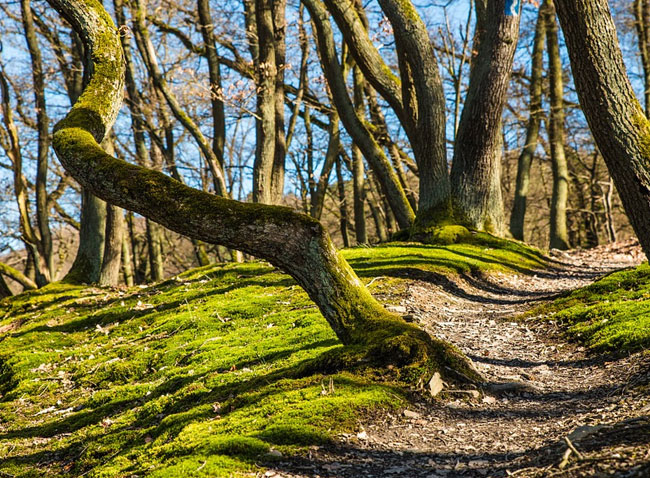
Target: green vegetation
[612,314]
[201,375]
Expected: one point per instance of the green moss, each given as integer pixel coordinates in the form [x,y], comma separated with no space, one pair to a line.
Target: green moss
[612,314]
[203,374]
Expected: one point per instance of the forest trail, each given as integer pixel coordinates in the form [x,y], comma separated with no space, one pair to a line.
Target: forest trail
[592,399]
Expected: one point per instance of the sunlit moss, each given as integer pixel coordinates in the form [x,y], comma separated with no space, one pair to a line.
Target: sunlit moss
[202,374]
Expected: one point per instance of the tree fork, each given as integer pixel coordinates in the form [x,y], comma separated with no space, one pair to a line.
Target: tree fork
[294,242]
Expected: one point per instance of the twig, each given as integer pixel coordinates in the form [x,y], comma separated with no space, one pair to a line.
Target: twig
[378,277]
[565,459]
[573,449]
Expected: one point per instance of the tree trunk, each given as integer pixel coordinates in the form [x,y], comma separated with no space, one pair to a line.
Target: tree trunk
[88,261]
[518,215]
[206,26]
[559,238]
[265,122]
[353,124]
[358,171]
[114,239]
[616,118]
[279,36]
[43,127]
[343,204]
[127,260]
[295,243]
[155,250]
[476,168]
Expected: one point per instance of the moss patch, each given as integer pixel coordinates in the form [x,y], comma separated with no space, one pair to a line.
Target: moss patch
[200,375]
[612,314]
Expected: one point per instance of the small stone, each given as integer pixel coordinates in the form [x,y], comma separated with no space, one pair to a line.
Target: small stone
[398,309]
[411,414]
[362,435]
[435,384]
[274,453]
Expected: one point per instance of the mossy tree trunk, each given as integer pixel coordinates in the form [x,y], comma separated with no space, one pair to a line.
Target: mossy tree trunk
[295,243]
[615,116]
[559,236]
[518,215]
[476,168]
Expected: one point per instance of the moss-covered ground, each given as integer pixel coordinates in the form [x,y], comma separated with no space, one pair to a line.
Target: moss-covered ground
[610,315]
[200,375]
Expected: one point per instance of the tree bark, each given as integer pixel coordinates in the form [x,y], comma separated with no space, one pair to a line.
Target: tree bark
[616,118]
[88,261]
[476,168]
[518,215]
[109,274]
[267,71]
[559,237]
[295,243]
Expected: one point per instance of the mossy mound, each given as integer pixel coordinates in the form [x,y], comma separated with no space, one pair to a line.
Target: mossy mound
[612,314]
[204,374]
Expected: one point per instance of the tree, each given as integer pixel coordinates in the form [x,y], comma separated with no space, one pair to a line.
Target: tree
[294,242]
[535,115]
[615,116]
[559,236]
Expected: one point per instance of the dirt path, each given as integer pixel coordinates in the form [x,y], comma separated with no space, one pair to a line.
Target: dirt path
[592,400]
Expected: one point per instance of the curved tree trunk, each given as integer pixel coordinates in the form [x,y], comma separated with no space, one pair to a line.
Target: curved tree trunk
[296,243]
[476,168]
[518,215]
[615,116]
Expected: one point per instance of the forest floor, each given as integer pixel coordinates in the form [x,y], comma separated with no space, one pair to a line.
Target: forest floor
[577,414]
[203,375]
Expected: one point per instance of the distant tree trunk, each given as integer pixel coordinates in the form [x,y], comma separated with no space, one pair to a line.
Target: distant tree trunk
[88,261]
[476,168]
[559,237]
[616,118]
[354,125]
[110,271]
[333,148]
[206,27]
[279,36]
[149,56]
[296,243]
[43,127]
[358,171]
[343,204]
[127,260]
[155,249]
[266,111]
[29,234]
[517,218]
